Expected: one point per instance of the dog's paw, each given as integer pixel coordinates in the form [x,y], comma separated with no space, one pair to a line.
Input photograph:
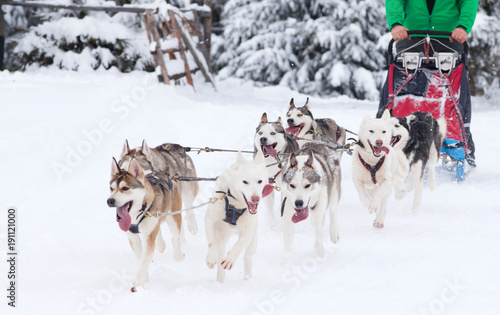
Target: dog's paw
[319,251]
[399,194]
[228,262]
[160,245]
[334,236]
[373,208]
[191,224]
[378,225]
[140,280]
[211,258]
[179,256]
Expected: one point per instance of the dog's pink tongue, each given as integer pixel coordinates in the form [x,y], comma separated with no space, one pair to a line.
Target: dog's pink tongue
[268,149]
[294,130]
[300,215]
[125,220]
[267,190]
[385,149]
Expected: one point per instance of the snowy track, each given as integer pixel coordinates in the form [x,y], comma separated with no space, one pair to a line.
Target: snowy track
[59,130]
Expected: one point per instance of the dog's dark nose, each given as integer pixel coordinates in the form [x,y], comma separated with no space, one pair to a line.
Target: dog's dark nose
[263,140]
[299,203]
[290,121]
[111,202]
[379,142]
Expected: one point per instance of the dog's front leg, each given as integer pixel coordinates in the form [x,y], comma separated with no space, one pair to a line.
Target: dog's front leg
[148,244]
[288,227]
[174,224]
[319,223]
[211,220]
[380,202]
[363,197]
[269,201]
[249,252]
[246,236]
[135,242]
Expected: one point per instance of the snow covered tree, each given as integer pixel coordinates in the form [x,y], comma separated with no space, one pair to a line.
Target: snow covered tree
[324,47]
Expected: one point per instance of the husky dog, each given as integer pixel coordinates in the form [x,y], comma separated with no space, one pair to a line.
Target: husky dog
[301,123]
[426,135]
[141,203]
[311,182]
[168,158]
[271,140]
[374,166]
[237,193]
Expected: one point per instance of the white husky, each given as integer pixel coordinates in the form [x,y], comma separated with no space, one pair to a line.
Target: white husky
[375,169]
[311,182]
[238,192]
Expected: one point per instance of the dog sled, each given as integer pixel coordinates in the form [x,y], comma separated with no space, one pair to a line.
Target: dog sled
[422,79]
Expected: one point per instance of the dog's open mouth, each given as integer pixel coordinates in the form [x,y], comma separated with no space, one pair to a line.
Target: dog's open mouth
[269,150]
[123,216]
[377,150]
[295,130]
[300,214]
[395,139]
[252,206]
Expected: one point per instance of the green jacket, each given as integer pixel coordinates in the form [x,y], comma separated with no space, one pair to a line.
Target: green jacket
[446,14]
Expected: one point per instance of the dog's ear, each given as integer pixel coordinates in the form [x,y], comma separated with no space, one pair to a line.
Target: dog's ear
[135,169]
[146,150]
[279,121]
[292,105]
[259,157]
[310,159]
[390,112]
[115,168]
[125,149]
[409,118]
[386,115]
[240,158]
[263,119]
[306,105]
[293,160]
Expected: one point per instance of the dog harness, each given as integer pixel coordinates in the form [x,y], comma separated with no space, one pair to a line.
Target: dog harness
[160,179]
[372,169]
[232,213]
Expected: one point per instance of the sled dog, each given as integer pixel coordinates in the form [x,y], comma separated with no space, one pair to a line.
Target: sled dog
[426,135]
[168,158]
[311,183]
[301,123]
[374,165]
[272,140]
[141,202]
[237,195]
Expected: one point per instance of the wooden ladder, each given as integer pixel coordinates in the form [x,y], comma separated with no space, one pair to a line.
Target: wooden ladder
[169,36]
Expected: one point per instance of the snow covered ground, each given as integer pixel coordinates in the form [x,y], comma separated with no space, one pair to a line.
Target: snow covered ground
[59,130]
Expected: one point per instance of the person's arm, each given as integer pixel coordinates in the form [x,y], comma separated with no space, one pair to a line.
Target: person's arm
[394,11]
[468,11]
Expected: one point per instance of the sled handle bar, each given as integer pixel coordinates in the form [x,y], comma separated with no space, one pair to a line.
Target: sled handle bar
[430,33]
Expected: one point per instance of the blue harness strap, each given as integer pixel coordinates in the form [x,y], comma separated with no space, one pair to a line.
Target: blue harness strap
[232,214]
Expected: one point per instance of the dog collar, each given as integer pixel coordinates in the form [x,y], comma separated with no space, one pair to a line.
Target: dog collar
[134,228]
[372,169]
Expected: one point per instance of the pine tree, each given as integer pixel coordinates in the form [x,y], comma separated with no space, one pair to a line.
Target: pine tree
[324,47]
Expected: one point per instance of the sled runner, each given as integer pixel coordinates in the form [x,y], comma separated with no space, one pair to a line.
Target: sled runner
[422,79]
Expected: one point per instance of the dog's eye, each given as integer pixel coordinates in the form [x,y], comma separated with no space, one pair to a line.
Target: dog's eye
[288,115]
[292,186]
[111,188]
[273,133]
[371,131]
[383,131]
[299,115]
[307,186]
[125,188]
[260,181]
[245,182]
[260,133]
[397,126]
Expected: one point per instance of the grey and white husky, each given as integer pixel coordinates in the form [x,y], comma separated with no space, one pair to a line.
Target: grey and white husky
[272,140]
[311,184]
[301,123]
[168,158]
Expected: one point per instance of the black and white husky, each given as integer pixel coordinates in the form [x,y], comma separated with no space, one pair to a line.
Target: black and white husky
[425,136]
[311,184]
[273,142]
[301,123]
